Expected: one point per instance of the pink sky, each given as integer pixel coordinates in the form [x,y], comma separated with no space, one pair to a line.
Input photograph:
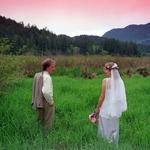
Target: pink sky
[75,17]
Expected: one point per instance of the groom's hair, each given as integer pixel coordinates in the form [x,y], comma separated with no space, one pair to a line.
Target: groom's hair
[47,62]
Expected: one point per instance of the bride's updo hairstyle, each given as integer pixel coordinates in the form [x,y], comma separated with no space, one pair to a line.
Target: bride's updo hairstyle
[111,65]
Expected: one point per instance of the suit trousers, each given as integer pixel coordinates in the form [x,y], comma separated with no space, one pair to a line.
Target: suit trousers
[46,115]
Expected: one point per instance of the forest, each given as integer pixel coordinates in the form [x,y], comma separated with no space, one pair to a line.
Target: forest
[18,39]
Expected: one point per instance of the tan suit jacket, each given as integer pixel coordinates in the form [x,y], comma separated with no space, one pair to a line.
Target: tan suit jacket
[37,95]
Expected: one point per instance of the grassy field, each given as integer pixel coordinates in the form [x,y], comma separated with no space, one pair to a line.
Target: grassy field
[86,67]
[72,66]
[75,99]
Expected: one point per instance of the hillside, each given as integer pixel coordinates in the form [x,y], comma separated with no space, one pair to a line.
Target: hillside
[18,39]
[136,33]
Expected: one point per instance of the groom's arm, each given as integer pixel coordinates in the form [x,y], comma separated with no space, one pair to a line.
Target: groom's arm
[47,89]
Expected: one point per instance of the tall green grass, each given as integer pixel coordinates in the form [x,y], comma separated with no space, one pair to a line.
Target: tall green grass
[75,99]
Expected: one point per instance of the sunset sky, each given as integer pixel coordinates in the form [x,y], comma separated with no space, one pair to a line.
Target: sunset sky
[76,17]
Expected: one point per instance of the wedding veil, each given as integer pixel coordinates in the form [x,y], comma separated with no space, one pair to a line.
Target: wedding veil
[118,102]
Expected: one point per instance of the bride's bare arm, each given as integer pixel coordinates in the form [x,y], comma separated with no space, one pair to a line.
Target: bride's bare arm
[102,96]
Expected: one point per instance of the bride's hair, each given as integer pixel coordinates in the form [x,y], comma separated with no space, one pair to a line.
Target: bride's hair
[109,65]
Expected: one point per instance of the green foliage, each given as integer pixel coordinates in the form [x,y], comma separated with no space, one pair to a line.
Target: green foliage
[73,66]
[73,50]
[75,99]
[9,68]
[5,46]
[15,38]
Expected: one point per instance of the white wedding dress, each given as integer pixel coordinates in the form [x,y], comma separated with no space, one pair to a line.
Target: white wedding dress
[108,127]
[113,106]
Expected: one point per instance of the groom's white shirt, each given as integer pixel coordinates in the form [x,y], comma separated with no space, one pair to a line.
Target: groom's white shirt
[47,88]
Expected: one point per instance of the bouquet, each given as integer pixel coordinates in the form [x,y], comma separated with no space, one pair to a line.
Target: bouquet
[93,118]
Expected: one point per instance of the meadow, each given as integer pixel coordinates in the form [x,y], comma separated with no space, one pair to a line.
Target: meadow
[75,98]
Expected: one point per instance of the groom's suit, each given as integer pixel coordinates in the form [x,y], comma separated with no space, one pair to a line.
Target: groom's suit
[44,106]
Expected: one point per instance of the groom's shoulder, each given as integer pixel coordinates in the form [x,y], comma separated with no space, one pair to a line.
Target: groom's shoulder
[38,74]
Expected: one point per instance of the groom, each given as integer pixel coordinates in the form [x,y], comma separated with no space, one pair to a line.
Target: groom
[42,94]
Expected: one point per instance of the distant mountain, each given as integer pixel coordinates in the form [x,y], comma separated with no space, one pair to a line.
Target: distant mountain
[135,33]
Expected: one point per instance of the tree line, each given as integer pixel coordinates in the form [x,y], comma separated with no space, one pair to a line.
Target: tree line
[18,39]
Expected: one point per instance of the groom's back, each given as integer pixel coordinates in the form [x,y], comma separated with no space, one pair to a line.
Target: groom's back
[37,95]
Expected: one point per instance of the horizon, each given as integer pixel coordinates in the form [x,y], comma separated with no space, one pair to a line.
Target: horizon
[66,34]
[74,18]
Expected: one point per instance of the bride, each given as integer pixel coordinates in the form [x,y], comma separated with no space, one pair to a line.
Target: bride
[112,103]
